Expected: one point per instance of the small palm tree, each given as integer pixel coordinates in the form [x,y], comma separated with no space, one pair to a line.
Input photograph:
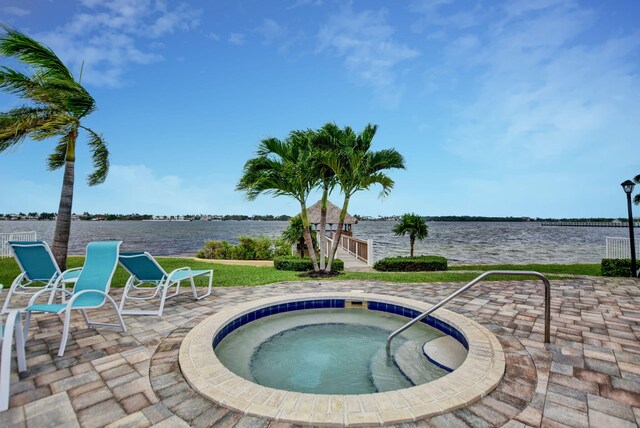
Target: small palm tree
[294,234]
[58,104]
[414,225]
[357,168]
[281,169]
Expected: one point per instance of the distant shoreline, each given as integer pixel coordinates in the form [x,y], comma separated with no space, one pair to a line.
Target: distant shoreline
[384,219]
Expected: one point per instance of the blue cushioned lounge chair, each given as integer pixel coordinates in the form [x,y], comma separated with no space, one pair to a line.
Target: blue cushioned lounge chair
[90,291]
[143,268]
[7,333]
[39,270]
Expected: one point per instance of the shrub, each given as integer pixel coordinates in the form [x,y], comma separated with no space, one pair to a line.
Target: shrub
[249,248]
[411,264]
[299,264]
[615,267]
[217,250]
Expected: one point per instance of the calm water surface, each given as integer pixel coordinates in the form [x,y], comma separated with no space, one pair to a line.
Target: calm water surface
[460,242]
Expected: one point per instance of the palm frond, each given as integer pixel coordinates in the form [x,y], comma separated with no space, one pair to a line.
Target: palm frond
[387,159]
[99,157]
[21,122]
[37,55]
[58,157]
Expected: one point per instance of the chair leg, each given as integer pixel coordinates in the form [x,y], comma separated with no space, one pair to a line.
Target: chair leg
[5,362]
[65,332]
[27,322]
[115,307]
[193,287]
[163,297]
[22,361]
[86,318]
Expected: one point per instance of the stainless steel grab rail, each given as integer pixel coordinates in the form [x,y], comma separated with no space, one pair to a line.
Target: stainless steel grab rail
[547,302]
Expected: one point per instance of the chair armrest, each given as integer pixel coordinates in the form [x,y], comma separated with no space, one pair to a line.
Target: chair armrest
[173,272]
[80,293]
[47,290]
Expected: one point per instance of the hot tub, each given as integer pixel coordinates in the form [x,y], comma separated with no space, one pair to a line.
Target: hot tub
[319,359]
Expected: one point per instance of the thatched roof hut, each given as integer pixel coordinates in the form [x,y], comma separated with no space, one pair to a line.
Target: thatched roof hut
[333,217]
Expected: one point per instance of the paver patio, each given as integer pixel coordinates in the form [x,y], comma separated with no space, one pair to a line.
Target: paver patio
[588,376]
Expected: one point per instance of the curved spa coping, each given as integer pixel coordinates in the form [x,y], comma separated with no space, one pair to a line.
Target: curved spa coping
[480,373]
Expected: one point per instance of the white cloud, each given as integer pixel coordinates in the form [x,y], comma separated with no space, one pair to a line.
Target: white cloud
[236,39]
[106,35]
[538,91]
[302,3]
[16,11]
[271,31]
[365,42]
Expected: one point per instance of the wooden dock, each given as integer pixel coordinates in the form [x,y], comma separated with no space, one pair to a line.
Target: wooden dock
[588,224]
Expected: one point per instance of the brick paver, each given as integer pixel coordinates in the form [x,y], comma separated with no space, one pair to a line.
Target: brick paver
[589,376]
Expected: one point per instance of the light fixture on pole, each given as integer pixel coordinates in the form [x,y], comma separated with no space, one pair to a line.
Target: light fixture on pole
[627,186]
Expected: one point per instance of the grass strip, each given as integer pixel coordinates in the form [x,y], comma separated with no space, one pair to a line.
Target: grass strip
[235,275]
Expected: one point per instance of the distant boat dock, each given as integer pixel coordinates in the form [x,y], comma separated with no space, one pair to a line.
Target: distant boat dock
[589,224]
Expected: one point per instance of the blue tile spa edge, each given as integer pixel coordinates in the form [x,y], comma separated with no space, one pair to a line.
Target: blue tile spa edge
[340,303]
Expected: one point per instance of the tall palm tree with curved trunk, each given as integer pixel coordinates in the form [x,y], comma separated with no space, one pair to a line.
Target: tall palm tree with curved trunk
[322,144]
[414,225]
[57,104]
[358,168]
[281,168]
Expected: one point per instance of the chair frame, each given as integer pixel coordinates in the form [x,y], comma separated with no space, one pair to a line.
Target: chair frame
[13,329]
[20,287]
[162,286]
[69,307]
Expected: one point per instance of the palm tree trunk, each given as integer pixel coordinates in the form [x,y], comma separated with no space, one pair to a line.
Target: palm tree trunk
[338,235]
[412,241]
[307,236]
[323,227]
[63,221]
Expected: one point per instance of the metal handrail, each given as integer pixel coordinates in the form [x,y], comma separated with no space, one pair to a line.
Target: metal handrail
[547,302]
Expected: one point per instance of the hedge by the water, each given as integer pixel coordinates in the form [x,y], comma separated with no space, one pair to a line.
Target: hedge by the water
[615,267]
[411,264]
[302,265]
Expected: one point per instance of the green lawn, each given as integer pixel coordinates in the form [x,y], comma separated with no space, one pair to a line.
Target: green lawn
[233,275]
[570,269]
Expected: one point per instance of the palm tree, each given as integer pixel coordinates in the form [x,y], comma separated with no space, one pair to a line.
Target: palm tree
[636,199]
[57,105]
[357,168]
[281,169]
[323,144]
[294,234]
[414,225]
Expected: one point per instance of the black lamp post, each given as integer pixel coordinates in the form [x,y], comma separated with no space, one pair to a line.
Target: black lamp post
[628,188]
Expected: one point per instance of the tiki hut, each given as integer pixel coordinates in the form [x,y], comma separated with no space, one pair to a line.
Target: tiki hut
[333,218]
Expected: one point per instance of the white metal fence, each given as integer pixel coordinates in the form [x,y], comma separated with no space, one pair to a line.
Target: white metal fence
[16,236]
[619,248]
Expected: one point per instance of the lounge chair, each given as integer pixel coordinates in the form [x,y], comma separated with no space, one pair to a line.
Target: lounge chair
[12,329]
[39,271]
[144,269]
[90,290]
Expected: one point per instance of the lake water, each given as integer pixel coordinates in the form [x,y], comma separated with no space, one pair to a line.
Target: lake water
[460,242]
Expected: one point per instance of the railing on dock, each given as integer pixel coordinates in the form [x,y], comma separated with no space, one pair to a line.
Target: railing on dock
[361,249]
[16,236]
[619,248]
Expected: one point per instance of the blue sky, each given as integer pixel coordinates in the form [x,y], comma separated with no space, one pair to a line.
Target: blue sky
[522,108]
